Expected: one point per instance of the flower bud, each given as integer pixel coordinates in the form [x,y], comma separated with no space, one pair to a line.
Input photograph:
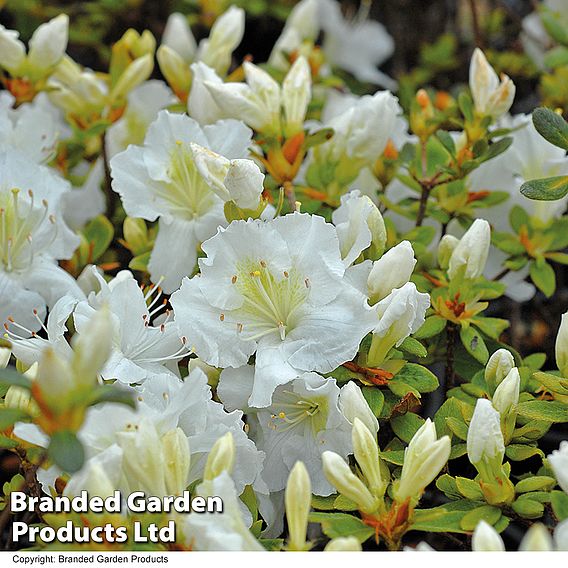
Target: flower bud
[498,367]
[445,250]
[296,94]
[366,451]
[424,457]
[558,460]
[485,445]
[135,74]
[143,464]
[561,346]
[18,397]
[486,539]
[221,457]
[175,446]
[400,314]
[54,378]
[298,497]
[12,50]
[490,97]
[93,477]
[175,70]
[391,271]
[178,37]
[343,544]
[92,348]
[561,536]
[471,252]
[238,180]
[48,43]
[346,482]
[537,539]
[353,405]
[507,393]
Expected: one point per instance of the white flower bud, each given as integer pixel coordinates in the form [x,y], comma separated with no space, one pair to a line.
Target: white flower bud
[178,37]
[296,94]
[485,443]
[366,451]
[175,70]
[472,251]
[507,393]
[143,464]
[54,377]
[491,97]
[12,50]
[135,74]
[537,539]
[49,42]
[346,482]
[424,457]
[498,367]
[561,346]
[226,34]
[298,498]
[391,271]
[400,314]
[175,446]
[221,457]
[343,544]
[92,347]
[238,180]
[93,479]
[486,539]
[353,405]
[558,460]
[561,536]
[446,247]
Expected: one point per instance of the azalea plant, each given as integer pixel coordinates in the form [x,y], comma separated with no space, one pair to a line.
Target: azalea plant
[273,283]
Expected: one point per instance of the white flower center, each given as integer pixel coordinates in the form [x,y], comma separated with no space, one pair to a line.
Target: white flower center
[187,194]
[271,304]
[293,410]
[19,221]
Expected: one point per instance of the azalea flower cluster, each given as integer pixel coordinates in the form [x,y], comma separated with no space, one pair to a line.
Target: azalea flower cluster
[237,280]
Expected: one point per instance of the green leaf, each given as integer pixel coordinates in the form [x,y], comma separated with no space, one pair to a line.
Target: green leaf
[458,427]
[433,325]
[272,544]
[535,483]
[342,503]
[9,416]
[451,408]
[518,218]
[552,382]
[324,503]
[543,277]
[447,484]
[66,451]
[559,502]
[497,148]
[528,508]
[551,126]
[474,344]
[99,233]
[546,189]
[393,456]
[140,262]
[7,443]
[469,488]
[442,519]
[447,141]
[319,137]
[405,426]
[413,347]
[466,105]
[9,376]
[110,393]
[485,513]
[375,399]
[336,525]
[413,378]
[550,411]
[520,452]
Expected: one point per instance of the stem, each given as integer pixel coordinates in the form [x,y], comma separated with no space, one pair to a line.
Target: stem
[426,187]
[290,194]
[450,345]
[476,28]
[110,194]
[501,274]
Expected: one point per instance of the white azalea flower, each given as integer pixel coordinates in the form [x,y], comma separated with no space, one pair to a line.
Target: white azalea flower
[219,531]
[200,104]
[303,420]
[30,129]
[356,45]
[141,349]
[160,180]
[33,237]
[277,289]
[179,37]
[558,460]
